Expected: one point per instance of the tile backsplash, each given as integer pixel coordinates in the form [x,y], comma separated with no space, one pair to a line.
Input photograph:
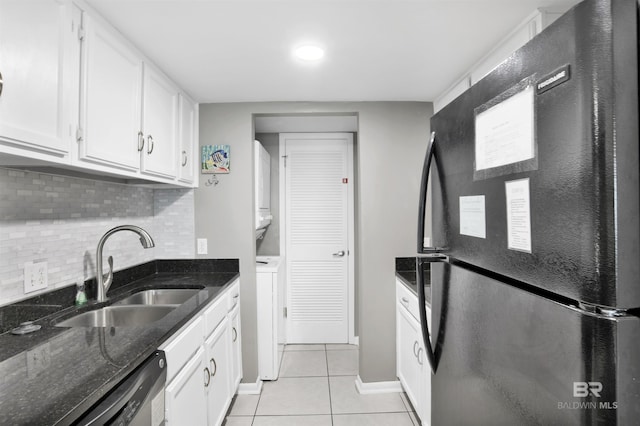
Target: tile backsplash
[59,219]
[174,223]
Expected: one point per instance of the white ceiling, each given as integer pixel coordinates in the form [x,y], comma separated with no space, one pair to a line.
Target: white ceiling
[240,50]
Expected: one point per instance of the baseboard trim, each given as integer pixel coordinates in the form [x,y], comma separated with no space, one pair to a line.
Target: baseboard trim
[250,388]
[378,387]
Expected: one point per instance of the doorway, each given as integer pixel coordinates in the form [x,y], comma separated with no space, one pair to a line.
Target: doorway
[318,215]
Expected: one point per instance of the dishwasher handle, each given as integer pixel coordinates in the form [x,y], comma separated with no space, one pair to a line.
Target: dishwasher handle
[127,397]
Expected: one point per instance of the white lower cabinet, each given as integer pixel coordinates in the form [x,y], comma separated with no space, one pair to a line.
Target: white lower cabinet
[185,401]
[203,367]
[236,345]
[413,368]
[218,387]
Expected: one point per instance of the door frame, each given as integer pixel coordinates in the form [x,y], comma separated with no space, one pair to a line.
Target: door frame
[350,214]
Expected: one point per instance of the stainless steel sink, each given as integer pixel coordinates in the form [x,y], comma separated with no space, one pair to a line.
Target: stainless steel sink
[159,297]
[118,316]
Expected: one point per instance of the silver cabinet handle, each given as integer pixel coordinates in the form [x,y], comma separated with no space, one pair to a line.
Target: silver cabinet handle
[235,301]
[207,377]
[405,300]
[150,144]
[184,158]
[415,351]
[214,366]
[140,141]
[235,334]
[341,253]
[418,356]
[1,83]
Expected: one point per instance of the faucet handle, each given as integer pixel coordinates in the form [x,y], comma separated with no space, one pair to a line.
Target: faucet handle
[107,279]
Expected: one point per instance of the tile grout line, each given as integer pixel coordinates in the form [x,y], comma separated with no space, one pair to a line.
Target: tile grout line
[328,375]
[326,358]
[408,407]
[403,401]
[255,412]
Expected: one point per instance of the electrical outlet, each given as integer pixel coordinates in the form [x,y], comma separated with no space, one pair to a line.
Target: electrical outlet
[38,359]
[202,246]
[35,276]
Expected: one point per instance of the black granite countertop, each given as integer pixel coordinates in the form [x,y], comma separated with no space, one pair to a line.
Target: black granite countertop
[406,272]
[53,375]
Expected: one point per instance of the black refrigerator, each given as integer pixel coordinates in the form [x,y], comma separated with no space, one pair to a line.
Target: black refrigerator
[535,259]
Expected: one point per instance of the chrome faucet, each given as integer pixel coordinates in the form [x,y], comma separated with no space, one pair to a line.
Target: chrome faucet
[105,282]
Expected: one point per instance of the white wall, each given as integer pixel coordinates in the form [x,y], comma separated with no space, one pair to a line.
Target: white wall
[392,142]
[59,219]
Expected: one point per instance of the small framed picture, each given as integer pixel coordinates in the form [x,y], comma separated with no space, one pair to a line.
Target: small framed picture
[215,159]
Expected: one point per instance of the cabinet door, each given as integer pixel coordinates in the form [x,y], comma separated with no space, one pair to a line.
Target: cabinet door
[160,104]
[219,363]
[35,60]
[408,347]
[236,348]
[188,140]
[111,99]
[185,400]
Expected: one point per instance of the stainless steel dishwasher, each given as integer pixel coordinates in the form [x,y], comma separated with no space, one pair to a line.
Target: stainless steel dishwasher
[137,400]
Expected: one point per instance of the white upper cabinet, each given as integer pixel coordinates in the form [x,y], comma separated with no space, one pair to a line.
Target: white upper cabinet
[188,117]
[129,109]
[111,99]
[38,63]
[529,28]
[160,119]
[76,93]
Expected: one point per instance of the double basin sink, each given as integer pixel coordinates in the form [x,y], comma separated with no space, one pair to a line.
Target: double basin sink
[140,308]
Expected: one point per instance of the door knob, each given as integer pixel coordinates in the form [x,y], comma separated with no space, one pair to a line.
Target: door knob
[341,253]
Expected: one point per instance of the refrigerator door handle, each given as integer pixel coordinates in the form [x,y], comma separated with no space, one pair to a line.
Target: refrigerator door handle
[422,309]
[424,185]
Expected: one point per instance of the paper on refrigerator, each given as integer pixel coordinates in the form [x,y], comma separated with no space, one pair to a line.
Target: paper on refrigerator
[473,216]
[505,132]
[518,215]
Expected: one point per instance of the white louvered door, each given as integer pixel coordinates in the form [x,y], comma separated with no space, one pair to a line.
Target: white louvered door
[317,175]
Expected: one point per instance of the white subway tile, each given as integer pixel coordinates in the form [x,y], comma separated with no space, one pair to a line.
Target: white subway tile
[63,224]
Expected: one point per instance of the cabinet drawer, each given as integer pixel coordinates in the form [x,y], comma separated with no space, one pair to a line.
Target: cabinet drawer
[408,299]
[214,315]
[233,296]
[183,346]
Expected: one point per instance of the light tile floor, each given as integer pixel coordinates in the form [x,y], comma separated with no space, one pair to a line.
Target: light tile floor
[317,387]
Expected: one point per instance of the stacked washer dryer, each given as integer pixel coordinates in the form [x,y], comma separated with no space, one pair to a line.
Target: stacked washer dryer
[262,188]
[271,294]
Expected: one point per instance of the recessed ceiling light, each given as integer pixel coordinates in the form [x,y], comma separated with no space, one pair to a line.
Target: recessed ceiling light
[309,52]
